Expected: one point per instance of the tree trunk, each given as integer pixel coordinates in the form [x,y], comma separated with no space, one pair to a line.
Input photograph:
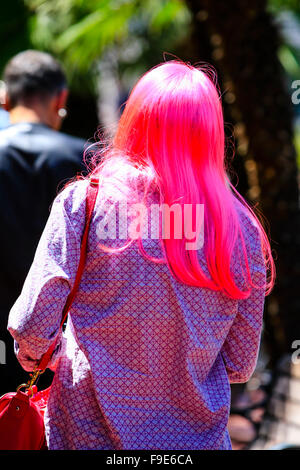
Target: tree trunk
[240,40]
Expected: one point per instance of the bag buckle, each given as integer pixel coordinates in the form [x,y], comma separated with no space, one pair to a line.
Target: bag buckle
[94,181]
[30,385]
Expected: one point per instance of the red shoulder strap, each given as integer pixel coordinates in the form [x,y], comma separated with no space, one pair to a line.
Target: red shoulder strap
[91,197]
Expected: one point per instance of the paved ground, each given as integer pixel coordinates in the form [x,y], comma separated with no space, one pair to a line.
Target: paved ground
[279,421]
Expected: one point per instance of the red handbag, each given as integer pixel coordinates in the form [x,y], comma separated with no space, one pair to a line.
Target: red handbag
[22,412]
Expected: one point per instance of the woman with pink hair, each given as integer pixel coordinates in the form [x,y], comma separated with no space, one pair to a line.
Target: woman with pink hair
[160,326]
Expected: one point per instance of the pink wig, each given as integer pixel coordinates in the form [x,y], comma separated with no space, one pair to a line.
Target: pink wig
[172,130]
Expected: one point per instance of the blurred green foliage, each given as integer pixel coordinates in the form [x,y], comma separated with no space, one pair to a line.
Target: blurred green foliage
[136,33]
[287,12]
[279,5]
[80,32]
[14,29]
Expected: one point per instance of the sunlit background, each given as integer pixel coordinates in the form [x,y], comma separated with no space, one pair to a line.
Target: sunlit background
[254,45]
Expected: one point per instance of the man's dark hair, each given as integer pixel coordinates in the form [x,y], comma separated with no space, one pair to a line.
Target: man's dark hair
[33,74]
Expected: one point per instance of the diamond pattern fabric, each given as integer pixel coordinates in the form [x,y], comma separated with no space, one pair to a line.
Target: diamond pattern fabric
[145,362]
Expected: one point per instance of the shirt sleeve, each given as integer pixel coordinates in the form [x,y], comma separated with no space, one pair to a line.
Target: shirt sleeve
[241,347]
[34,319]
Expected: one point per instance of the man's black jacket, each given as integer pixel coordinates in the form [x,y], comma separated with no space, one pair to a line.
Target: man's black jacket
[35,163]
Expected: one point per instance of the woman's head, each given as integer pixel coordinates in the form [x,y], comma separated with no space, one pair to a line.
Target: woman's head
[172,128]
[173,121]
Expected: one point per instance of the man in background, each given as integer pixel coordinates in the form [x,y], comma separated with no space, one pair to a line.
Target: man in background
[4,115]
[36,160]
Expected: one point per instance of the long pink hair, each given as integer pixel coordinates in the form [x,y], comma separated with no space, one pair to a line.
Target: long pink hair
[172,132]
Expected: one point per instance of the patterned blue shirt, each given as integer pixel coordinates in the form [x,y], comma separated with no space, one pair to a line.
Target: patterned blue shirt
[146,361]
